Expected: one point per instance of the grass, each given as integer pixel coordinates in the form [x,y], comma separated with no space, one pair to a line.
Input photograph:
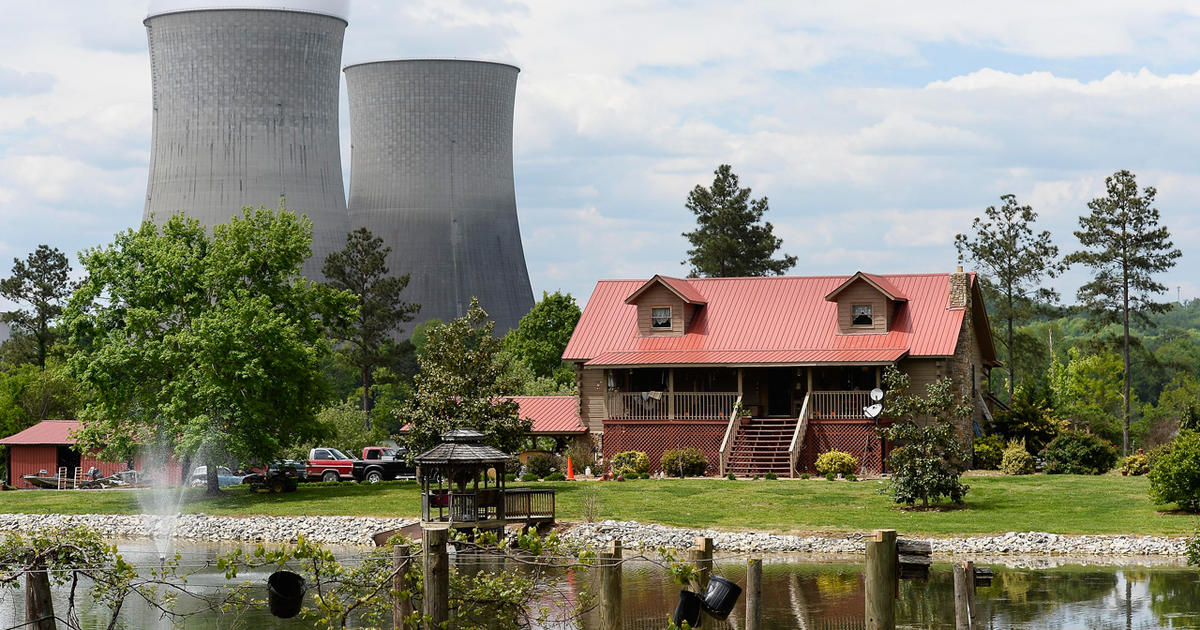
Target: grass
[1063,504]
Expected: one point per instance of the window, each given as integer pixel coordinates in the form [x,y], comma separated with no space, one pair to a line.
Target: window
[660,317]
[862,315]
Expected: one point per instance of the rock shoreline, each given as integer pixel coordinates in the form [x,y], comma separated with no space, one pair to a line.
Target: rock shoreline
[634,535]
[327,530]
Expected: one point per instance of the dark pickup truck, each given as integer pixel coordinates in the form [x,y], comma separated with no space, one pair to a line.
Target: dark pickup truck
[382,463]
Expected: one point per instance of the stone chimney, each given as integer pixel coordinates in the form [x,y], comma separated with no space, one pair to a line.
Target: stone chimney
[959,294]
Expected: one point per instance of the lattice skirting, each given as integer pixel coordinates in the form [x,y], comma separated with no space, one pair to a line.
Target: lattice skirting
[654,438]
[857,437]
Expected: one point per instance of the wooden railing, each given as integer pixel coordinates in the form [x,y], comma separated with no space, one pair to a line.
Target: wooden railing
[670,406]
[798,436]
[529,504]
[839,405]
[735,422]
[488,505]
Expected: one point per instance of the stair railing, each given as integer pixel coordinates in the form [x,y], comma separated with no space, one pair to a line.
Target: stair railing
[735,423]
[798,437]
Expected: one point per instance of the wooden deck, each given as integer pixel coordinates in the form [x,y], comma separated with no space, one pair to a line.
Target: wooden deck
[488,509]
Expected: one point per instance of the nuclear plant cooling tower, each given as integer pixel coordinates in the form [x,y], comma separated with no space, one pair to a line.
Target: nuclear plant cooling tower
[246,112]
[431,173]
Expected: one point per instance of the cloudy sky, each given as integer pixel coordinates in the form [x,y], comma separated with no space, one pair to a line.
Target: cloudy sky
[877,129]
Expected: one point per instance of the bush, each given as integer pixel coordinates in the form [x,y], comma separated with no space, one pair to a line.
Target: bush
[771,476]
[645,475]
[1079,453]
[1136,465]
[1175,475]
[556,476]
[989,450]
[510,477]
[581,454]
[1016,460]
[684,462]
[731,477]
[757,477]
[830,476]
[542,464]
[850,477]
[629,463]
[836,462]
[805,476]
[529,477]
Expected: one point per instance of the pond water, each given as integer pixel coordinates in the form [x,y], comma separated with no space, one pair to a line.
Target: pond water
[798,592]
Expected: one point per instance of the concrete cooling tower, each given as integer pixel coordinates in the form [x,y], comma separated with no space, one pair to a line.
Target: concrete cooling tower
[246,112]
[431,173]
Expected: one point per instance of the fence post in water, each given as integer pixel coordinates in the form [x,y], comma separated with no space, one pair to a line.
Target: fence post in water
[701,556]
[754,594]
[964,596]
[39,608]
[436,599]
[610,587]
[881,580]
[401,605]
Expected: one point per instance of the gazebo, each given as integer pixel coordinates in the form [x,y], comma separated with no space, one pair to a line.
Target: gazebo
[459,466]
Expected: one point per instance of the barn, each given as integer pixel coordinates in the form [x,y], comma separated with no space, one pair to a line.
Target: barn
[50,445]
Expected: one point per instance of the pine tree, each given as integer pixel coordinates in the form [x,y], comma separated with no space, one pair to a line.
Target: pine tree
[729,239]
[42,281]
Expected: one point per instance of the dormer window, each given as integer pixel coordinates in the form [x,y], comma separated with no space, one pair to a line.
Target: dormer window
[660,317]
[862,315]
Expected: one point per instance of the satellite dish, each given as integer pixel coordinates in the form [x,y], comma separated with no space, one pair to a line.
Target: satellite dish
[873,410]
[877,394]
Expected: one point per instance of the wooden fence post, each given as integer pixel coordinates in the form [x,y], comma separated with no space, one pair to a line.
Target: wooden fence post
[881,580]
[610,587]
[964,596]
[754,594]
[436,600]
[701,555]
[39,608]
[401,605]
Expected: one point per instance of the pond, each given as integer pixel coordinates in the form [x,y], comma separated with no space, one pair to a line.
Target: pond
[798,592]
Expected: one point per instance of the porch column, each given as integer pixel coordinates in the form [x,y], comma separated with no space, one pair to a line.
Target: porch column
[671,393]
[739,381]
[809,369]
[878,376]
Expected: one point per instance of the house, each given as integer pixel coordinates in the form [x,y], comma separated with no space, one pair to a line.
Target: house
[50,445]
[663,363]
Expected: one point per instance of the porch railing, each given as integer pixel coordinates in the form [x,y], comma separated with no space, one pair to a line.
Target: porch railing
[735,422]
[798,436]
[839,405]
[671,406]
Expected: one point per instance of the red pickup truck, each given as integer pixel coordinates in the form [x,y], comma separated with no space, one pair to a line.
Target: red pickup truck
[329,464]
[379,463]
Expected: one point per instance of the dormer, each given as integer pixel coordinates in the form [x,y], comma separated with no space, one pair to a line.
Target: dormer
[665,306]
[865,303]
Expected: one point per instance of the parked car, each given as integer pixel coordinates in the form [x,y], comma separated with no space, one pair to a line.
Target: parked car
[329,464]
[278,476]
[383,463]
[225,477]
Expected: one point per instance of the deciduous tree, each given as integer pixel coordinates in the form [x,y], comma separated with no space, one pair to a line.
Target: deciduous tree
[730,238]
[1125,247]
[1015,264]
[42,281]
[539,339]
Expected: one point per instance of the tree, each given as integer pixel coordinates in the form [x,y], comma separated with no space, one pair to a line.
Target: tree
[1015,264]
[1086,392]
[346,430]
[1125,246]
[368,339]
[41,281]
[932,457]
[729,239]
[210,346]
[462,383]
[542,335]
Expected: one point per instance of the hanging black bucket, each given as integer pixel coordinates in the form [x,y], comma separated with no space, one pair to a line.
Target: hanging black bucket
[720,596]
[285,592]
[688,609]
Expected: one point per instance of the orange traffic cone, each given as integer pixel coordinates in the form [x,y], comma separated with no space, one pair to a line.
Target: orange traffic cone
[570,470]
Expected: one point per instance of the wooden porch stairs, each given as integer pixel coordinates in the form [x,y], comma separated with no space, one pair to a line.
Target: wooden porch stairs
[761,446]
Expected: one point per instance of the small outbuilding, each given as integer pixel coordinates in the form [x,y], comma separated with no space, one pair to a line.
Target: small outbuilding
[49,446]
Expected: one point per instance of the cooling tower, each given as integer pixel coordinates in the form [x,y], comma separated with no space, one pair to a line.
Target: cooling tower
[246,112]
[431,173]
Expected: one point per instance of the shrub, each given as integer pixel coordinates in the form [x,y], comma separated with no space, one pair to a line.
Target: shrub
[684,462]
[1079,453]
[836,462]
[731,477]
[542,464]
[771,476]
[556,476]
[529,477]
[1175,475]
[805,476]
[1016,460]
[830,476]
[929,465]
[581,454]
[989,450]
[645,475]
[850,477]
[629,463]
[1136,465]
[510,477]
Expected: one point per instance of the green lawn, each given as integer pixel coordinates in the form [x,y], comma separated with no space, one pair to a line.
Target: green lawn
[1064,504]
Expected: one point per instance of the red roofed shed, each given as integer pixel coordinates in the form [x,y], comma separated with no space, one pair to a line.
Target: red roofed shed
[50,445]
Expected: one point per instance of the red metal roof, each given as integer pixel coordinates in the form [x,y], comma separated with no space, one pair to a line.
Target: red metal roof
[551,414]
[748,357]
[772,314]
[678,286]
[45,432]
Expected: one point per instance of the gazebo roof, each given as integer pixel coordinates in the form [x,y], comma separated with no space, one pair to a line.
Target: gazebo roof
[462,447]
